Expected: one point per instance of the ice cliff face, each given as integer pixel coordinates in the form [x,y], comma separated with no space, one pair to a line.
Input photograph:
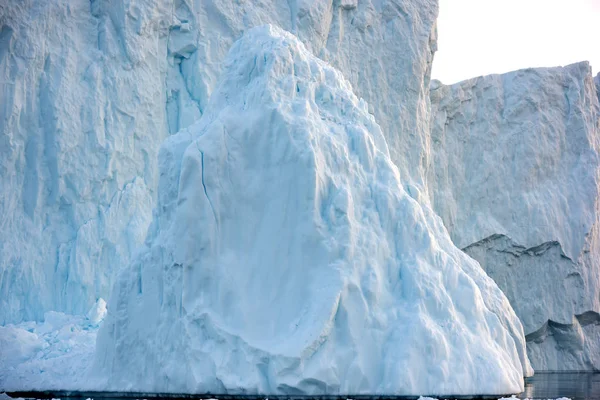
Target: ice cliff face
[82,117]
[515,178]
[90,90]
[286,257]
[531,278]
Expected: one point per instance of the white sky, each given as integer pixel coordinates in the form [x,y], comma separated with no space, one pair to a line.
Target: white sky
[481,37]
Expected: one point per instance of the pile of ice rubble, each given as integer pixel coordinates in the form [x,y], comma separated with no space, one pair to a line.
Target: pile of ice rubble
[295,245]
[45,354]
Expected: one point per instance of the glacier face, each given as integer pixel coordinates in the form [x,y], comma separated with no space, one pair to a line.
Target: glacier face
[91,89]
[286,257]
[82,118]
[515,179]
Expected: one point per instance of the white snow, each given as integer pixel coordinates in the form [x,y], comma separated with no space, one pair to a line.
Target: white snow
[527,398]
[516,180]
[286,257]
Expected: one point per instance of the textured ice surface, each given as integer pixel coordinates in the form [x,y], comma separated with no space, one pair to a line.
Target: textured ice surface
[82,118]
[561,333]
[383,47]
[91,89]
[515,180]
[54,354]
[286,257]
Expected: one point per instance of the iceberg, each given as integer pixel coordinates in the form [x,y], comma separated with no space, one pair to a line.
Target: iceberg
[515,179]
[285,256]
[91,89]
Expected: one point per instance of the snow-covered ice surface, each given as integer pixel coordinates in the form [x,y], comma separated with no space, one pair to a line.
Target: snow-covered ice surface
[515,178]
[55,353]
[526,398]
[91,89]
[286,257]
[517,154]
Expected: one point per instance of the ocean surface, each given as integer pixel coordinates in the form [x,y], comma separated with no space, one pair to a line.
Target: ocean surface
[549,385]
[544,385]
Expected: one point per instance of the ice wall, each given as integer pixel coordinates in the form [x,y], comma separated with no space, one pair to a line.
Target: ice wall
[286,257]
[82,117]
[90,90]
[515,178]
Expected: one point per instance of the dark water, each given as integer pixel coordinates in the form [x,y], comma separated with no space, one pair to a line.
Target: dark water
[577,386]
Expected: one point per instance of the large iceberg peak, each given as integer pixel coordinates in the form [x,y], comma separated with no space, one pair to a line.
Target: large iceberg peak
[286,256]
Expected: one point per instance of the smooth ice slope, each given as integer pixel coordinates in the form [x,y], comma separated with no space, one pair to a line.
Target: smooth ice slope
[286,257]
[516,180]
[91,88]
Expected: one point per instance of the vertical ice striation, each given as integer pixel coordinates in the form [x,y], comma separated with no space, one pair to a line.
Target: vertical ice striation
[597,83]
[82,117]
[286,257]
[515,178]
